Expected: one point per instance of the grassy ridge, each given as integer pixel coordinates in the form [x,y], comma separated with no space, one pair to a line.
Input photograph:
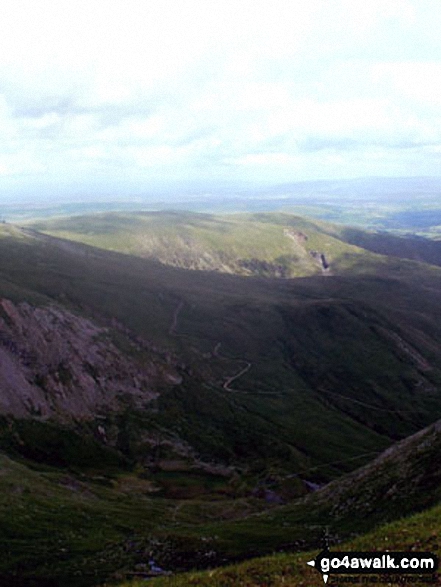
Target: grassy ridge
[262,244]
[266,244]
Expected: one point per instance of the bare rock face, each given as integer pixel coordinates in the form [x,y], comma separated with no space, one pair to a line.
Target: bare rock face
[57,364]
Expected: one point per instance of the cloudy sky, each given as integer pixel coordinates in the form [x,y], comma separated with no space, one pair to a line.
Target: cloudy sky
[125,97]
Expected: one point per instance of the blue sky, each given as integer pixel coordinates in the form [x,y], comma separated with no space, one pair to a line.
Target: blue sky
[110,97]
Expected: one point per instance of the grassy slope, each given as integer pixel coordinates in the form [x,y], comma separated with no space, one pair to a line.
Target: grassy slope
[76,530]
[402,480]
[262,244]
[242,244]
[419,532]
[76,527]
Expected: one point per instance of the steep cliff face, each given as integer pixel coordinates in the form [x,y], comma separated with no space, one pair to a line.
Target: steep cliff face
[57,364]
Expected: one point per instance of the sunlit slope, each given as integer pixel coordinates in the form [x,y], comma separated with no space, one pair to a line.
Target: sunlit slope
[266,244]
[270,245]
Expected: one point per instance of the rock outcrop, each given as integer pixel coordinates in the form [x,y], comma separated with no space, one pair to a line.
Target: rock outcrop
[54,363]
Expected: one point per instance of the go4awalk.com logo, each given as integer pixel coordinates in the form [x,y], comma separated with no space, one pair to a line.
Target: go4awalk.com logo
[378,563]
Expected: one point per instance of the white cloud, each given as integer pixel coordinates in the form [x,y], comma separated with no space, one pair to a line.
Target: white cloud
[417,81]
[191,89]
[265,159]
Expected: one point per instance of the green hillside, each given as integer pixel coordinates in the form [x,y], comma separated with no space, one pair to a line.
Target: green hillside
[321,359]
[265,244]
[278,384]
[269,245]
[65,527]
[400,481]
[419,532]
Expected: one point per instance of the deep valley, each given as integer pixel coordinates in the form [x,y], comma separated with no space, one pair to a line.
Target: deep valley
[197,390]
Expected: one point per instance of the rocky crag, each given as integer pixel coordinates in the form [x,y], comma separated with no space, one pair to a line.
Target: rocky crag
[56,364]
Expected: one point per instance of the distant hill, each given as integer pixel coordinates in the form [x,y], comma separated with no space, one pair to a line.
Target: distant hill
[405,247]
[396,204]
[263,245]
[268,245]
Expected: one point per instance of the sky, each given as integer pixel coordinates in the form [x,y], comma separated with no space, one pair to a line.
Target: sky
[118,98]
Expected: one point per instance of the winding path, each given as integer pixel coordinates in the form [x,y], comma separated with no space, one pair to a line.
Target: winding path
[229,381]
[174,324]
[227,384]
